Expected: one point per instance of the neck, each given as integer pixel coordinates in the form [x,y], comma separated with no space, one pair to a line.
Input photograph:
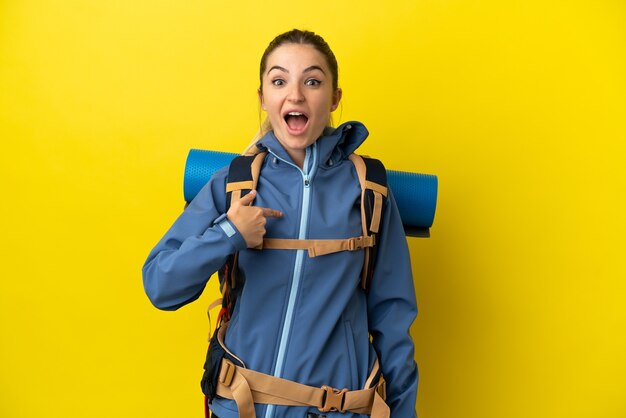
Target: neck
[297,156]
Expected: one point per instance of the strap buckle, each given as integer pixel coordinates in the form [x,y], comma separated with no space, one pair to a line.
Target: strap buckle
[333,399]
[355,244]
[227,372]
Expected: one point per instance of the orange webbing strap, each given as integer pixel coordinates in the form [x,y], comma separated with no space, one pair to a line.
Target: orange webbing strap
[221,334]
[317,247]
[239,185]
[247,387]
[357,160]
[256,168]
[216,302]
[377,212]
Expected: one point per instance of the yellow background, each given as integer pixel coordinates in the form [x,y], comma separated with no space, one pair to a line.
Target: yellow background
[518,106]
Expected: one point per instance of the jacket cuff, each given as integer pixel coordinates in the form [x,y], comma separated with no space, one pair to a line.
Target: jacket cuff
[231,232]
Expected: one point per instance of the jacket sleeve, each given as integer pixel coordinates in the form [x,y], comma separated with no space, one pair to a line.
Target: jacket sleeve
[392,308]
[195,247]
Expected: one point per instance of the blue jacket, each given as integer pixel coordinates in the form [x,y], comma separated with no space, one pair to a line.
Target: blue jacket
[300,318]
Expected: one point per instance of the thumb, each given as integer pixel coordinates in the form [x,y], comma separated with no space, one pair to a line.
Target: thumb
[247,199]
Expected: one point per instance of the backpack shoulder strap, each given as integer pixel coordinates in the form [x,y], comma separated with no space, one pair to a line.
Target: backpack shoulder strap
[373,179]
[243,176]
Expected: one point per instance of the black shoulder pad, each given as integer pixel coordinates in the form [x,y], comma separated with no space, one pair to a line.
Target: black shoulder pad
[240,169]
[376,172]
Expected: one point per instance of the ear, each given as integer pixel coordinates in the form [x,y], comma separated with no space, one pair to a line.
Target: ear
[261,102]
[336,99]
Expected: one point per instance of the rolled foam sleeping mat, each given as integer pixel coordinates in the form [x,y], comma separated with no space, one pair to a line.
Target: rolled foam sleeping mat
[415,193]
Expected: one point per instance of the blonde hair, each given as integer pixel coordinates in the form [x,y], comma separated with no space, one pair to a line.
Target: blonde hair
[252,149]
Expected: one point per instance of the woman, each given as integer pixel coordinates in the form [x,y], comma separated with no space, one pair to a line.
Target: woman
[299,318]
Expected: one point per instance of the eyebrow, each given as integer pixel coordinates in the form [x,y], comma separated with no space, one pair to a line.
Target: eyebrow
[306,70]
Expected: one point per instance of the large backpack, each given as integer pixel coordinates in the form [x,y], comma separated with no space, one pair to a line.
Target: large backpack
[243,176]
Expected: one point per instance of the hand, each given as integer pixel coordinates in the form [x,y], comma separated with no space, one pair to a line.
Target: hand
[250,220]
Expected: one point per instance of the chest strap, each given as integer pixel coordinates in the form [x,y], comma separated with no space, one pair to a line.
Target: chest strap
[317,247]
[247,387]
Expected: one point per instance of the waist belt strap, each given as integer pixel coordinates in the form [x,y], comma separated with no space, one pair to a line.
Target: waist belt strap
[317,247]
[247,387]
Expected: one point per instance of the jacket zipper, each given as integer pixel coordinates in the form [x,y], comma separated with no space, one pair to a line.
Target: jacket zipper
[297,269]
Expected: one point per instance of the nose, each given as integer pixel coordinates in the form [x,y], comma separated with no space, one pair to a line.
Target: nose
[295,94]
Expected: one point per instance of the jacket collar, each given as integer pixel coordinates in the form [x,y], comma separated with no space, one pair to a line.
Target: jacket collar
[334,145]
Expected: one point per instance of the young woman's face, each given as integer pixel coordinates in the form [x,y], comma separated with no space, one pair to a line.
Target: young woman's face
[297,94]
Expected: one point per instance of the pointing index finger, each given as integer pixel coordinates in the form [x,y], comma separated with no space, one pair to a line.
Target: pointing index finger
[271,213]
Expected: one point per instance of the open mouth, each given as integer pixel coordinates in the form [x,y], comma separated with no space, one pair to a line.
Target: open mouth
[296,121]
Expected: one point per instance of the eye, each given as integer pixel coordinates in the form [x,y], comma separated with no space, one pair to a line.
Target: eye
[312,82]
[278,82]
